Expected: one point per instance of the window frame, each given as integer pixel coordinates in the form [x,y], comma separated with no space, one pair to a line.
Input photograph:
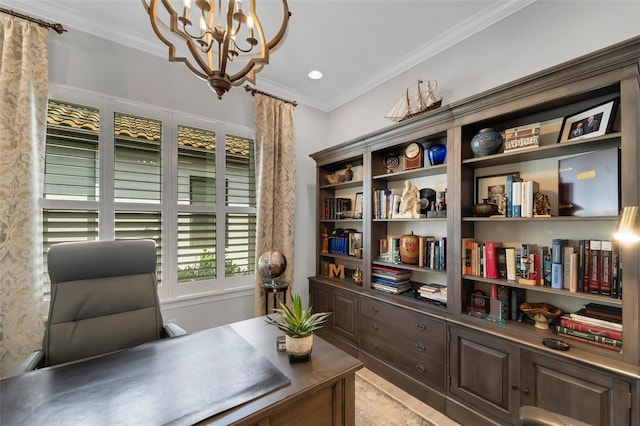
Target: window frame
[168,206]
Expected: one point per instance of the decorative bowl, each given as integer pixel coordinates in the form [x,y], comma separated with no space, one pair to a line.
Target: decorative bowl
[541,313]
[335,178]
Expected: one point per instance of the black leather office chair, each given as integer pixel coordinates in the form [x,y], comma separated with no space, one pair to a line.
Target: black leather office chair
[535,416]
[104,299]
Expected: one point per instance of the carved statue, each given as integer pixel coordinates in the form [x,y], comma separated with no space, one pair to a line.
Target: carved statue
[410,202]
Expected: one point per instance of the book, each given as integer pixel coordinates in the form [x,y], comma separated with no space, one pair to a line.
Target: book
[529,187]
[567,250]
[606,269]
[510,256]
[573,272]
[581,254]
[516,297]
[596,319]
[503,297]
[557,274]
[604,311]
[516,192]
[501,257]
[491,258]
[521,138]
[545,266]
[527,271]
[509,193]
[615,269]
[587,266]
[467,250]
[595,266]
[601,341]
[568,322]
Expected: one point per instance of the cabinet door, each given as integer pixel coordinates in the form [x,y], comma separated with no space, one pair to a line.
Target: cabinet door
[575,391]
[483,374]
[344,318]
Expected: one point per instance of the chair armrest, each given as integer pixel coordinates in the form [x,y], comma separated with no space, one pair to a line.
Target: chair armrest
[30,363]
[536,416]
[173,330]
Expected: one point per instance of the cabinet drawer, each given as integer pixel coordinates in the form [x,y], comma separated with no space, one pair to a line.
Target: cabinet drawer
[410,339]
[420,368]
[403,319]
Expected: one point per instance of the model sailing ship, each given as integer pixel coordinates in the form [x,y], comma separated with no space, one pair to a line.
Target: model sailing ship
[421,101]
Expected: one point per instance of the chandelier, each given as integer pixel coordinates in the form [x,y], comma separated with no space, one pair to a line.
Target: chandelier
[228,46]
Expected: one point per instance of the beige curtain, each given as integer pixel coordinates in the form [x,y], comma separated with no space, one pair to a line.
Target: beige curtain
[276,184]
[23,110]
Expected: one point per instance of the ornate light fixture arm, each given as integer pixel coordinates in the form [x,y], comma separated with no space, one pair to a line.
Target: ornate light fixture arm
[216,45]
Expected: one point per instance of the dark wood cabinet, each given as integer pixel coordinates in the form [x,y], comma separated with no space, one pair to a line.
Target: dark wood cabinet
[480,368]
[342,327]
[584,393]
[484,373]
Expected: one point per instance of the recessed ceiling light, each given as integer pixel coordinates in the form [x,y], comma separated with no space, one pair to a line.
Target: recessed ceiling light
[315,75]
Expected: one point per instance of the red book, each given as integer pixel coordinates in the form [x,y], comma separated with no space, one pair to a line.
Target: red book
[587,266]
[535,272]
[491,258]
[567,322]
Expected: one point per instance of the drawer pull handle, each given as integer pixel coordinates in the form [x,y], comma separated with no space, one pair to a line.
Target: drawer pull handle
[373,345]
[420,347]
[420,368]
[374,327]
[374,309]
[420,326]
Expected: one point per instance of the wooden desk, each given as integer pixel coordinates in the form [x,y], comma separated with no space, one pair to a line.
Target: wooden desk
[321,392]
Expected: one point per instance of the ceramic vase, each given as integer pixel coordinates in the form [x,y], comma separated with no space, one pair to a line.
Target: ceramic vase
[437,154]
[299,348]
[486,142]
[485,209]
[409,248]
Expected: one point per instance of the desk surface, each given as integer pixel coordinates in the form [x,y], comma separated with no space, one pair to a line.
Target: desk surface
[328,364]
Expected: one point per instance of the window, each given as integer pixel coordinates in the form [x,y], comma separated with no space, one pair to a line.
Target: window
[154,175]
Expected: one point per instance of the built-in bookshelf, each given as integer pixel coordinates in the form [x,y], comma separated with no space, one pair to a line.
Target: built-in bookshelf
[487,336]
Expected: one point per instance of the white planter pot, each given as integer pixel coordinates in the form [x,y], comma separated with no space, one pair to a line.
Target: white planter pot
[299,348]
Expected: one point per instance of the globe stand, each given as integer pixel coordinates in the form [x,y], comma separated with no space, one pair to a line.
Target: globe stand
[274,288]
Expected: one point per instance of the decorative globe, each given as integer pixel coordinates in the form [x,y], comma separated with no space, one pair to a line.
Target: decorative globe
[272,264]
[487,142]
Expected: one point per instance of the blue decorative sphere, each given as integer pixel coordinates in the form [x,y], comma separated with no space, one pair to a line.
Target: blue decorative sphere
[437,154]
[487,142]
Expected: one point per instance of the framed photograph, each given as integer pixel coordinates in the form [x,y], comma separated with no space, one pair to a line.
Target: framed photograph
[357,205]
[355,243]
[494,188]
[590,123]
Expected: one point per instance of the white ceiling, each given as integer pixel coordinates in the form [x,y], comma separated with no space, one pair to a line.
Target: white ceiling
[357,44]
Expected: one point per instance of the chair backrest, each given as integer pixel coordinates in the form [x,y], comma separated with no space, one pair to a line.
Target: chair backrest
[103,298]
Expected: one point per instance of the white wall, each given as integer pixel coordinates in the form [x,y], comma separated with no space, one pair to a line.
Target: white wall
[537,37]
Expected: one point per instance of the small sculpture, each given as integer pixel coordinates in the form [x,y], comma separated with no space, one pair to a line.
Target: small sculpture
[541,204]
[410,202]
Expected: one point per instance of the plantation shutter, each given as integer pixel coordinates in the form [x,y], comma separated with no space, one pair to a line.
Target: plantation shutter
[240,202]
[196,204]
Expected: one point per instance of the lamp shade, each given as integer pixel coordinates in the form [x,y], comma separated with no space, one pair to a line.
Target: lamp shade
[628,228]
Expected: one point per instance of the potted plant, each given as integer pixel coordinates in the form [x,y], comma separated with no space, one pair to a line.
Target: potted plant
[298,325]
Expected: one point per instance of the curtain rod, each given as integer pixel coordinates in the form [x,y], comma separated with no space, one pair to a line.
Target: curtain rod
[254,91]
[56,27]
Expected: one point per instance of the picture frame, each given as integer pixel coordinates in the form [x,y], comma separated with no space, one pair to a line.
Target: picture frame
[357,205]
[590,123]
[494,187]
[355,243]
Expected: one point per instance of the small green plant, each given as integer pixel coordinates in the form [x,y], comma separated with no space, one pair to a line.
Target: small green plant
[295,321]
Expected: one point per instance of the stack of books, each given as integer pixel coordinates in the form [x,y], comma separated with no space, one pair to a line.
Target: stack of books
[433,293]
[390,280]
[596,324]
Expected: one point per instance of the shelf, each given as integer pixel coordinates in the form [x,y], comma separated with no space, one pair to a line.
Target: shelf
[340,220]
[414,173]
[343,185]
[422,219]
[408,266]
[341,256]
[542,219]
[545,289]
[545,151]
